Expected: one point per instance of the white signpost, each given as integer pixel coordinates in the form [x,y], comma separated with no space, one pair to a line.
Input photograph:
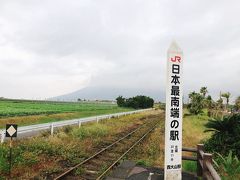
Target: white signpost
[173,117]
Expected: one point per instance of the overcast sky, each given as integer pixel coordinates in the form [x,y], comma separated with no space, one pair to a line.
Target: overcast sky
[53,47]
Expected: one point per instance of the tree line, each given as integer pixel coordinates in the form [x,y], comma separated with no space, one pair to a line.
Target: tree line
[200,100]
[136,102]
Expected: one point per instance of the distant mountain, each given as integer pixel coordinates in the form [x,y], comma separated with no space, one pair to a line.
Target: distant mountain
[104,93]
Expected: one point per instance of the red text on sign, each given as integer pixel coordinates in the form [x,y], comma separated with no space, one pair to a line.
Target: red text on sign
[176,58]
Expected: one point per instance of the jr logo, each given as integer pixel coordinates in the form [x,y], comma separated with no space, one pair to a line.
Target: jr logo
[176,58]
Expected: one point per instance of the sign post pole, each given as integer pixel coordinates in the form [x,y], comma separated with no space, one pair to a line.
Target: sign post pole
[11,131]
[10,158]
[173,116]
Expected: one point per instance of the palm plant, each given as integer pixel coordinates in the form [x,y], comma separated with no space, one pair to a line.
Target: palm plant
[227,96]
[203,91]
[225,135]
[225,125]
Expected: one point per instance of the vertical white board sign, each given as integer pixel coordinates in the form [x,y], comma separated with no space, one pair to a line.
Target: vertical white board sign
[173,117]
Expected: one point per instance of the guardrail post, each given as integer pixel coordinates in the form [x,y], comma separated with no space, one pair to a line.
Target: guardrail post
[79,124]
[200,147]
[206,158]
[2,136]
[52,129]
[50,126]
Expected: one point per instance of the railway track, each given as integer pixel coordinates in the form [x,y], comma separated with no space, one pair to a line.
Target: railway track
[98,165]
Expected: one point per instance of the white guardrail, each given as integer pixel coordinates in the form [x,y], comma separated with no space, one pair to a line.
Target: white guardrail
[39,127]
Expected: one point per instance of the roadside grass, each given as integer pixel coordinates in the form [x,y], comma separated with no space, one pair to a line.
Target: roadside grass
[193,128]
[193,134]
[95,130]
[43,156]
[189,166]
[28,113]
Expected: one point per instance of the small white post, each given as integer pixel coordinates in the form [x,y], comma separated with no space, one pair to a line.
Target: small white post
[79,124]
[109,117]
[150,176]
[52,129]
[97,119]
[2,136]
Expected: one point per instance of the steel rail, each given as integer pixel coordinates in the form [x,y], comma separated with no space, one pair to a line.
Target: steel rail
[99,152]
[136,143]
[93,156]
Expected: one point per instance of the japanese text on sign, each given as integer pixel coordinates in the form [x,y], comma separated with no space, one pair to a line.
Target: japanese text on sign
[173,123]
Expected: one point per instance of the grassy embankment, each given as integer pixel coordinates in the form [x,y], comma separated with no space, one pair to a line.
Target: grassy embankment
[42,156]
[193,134]
[35,112]
[150,153]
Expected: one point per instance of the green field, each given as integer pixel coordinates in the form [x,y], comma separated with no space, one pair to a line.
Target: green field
[33,112]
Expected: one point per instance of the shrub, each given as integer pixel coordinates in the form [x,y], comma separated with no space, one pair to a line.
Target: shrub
[4,164]
[142,162]
[229,166]
[226,136]
[137,102]
[196,103]
[94,131]
[120,101]
[237,103]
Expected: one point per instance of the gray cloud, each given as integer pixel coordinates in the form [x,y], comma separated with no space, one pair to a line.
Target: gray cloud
[49,48]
